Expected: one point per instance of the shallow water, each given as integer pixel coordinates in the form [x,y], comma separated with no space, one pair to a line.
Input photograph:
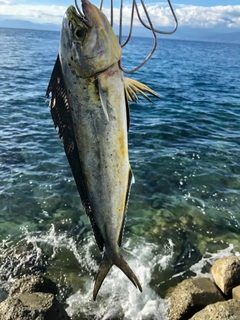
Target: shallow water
[184,150]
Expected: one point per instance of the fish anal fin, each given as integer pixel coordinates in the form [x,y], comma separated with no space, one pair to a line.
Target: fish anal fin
[130,182]
[134,87]
[127,110]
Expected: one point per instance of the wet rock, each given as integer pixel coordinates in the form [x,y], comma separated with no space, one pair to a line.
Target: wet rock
[227,310]
[3,295]
[189,255]
[22,259]
[226,273]
[236,293]
[33,284]
[33,298]
[31,306]
[192,295]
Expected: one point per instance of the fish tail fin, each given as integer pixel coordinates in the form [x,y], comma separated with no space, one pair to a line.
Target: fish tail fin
[106,265]
[104,268]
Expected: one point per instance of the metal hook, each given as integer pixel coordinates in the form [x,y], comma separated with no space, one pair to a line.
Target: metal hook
[153,33]
[78,9]
[148,25]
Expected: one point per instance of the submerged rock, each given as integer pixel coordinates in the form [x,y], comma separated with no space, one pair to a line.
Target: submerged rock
[192,295]
[33,298]
[227,310]
[226,273]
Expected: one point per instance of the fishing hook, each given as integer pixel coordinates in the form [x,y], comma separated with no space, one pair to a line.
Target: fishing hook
[148,25]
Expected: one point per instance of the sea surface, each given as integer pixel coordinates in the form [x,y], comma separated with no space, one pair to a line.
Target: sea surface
[184,148]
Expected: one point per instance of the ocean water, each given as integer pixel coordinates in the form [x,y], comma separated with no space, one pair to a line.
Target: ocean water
[184,149]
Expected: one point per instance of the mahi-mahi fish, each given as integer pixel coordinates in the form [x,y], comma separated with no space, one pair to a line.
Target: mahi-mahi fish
[89,105]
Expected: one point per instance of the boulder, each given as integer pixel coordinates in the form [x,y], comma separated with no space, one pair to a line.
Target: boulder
[226,273]
[32,306]
[192,295]
[33,298]
[227,310]
[236,293]
[33,284]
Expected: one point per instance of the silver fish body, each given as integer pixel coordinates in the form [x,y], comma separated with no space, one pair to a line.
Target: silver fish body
[89,106]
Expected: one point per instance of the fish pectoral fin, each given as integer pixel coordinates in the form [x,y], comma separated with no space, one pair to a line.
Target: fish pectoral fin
[132,87]
[106,264]
[103,99]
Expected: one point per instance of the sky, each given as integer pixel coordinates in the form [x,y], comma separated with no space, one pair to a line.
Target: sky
[193,13]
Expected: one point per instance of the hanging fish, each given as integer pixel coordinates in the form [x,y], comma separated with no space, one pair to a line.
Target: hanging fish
[89,106]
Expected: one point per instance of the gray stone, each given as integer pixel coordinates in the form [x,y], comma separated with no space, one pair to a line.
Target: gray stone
[33,298]
[192,295]
[236,293]
[32,306]
[33,284]
[227,310]
[3,295]
[226,273]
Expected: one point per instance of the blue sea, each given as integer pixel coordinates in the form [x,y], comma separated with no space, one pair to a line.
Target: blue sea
[184,148]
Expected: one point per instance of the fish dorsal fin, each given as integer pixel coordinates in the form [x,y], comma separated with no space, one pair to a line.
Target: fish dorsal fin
[132,87]
[103,99]
[61,114]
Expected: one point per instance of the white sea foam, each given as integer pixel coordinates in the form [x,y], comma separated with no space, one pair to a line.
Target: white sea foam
[117,298]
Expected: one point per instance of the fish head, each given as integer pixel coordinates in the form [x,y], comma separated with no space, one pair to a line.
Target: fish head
[88,42]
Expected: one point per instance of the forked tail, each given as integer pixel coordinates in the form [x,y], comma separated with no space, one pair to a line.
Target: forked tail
[106,264]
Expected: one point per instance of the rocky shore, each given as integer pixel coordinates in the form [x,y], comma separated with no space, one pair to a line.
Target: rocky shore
[207,298]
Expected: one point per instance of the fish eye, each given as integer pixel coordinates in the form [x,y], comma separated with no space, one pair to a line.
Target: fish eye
[79,33]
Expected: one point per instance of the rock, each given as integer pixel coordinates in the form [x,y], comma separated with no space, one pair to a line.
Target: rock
[227,310]
[31,306]
[22,259]
[3,295]
[33,298]
[226,273]
[236,293]
[192,295]
[33,284]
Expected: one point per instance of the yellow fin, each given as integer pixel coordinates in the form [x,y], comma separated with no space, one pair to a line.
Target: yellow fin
[132,87]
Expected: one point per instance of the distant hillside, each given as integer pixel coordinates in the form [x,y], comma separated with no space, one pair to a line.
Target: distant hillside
[233,37]
[183,33]
[191,34]
[204,34]
[24,24]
